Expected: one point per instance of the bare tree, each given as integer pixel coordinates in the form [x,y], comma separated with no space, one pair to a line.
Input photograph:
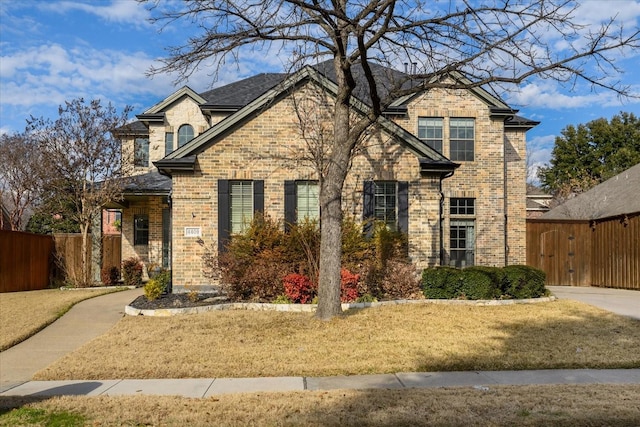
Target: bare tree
[84,159]
[20,176]
[492,44]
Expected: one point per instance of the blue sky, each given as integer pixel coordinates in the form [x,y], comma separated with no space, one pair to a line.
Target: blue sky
[52,51]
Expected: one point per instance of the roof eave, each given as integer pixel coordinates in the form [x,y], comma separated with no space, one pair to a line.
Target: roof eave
[183,164]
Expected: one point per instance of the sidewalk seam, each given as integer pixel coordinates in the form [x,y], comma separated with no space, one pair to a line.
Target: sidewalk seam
[209,388]
[399,380]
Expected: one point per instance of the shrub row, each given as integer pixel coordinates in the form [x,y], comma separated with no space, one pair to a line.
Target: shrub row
[511,282]
[266,263]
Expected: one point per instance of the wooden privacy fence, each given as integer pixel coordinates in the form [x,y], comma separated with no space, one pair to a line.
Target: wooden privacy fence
[603,253]
[69,252]
[26,261]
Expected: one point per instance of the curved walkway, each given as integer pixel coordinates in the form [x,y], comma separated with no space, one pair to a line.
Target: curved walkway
[91,318]
[84,322]
[620,301]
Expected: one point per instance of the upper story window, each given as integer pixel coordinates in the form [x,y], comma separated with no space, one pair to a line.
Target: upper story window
[430,131]
[168,143]
[461,138]
[185,134]
[141,152]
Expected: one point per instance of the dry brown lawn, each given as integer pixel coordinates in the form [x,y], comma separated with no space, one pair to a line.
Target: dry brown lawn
[566,405]
[22,314]
[404,338]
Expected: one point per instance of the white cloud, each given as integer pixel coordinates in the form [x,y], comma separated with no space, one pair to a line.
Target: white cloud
[550,94]
[538,154]
[119,11]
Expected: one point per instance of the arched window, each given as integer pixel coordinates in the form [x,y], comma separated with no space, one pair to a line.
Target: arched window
[185,134]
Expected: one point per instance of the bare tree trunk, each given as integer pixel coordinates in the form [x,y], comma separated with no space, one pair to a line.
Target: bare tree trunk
[330,249]
[331,203]
[84,271]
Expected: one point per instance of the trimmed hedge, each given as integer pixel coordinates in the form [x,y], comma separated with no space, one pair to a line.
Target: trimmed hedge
[478,282]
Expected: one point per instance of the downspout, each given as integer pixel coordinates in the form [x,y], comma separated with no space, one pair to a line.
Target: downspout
[505,202]
[441,215]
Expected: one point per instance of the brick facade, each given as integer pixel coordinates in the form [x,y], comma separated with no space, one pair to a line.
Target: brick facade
[268,146]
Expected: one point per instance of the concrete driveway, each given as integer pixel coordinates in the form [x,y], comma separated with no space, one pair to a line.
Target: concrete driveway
[619,301]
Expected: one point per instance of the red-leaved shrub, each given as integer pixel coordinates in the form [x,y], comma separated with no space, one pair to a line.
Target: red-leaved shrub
[299,288]
[348,286]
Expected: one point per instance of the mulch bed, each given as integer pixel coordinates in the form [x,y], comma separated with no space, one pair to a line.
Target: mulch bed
[177,301]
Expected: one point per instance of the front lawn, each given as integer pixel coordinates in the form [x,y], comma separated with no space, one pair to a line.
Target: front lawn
[22,314]
[403,338]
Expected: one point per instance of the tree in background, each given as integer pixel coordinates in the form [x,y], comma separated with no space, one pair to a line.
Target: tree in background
[84,161]
[493,44]
[588,154]
[21,176]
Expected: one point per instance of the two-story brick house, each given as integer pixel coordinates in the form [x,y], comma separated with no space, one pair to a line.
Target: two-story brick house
[447,167]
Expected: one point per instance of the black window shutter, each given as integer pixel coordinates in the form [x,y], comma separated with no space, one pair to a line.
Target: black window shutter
[258,196]
[368,206]
[289,204]
[223,214]
[403,207]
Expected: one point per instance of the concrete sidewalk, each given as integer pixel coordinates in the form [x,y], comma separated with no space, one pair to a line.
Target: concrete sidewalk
[198,388]
[620,301]
[85,321]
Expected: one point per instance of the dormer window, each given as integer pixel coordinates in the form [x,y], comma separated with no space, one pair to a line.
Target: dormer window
[185,134]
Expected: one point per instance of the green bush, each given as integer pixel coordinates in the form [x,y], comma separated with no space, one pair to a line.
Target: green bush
[477,284]
[132,272]
[441,282]
[524,282]
[158,285]
[282,299]
[153,289]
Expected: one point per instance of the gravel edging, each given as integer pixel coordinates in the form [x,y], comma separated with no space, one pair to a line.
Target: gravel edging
[310,308]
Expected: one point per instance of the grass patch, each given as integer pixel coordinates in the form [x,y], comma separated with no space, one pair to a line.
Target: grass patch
[403,338]
[22,314]
[553,405]
[41,417]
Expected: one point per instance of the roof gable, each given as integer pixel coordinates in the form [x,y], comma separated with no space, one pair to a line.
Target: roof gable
[418,147]
[175,96]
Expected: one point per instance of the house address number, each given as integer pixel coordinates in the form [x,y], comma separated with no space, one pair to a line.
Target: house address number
[192,232]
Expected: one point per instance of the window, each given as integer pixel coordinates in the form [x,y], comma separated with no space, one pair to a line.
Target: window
[237,202]
[461,136]
[384,203]
[462,240]
[141,152]
[241,205]
[168,143]
[430,131]
[141,229]
[185,134]
[462,231]
[387,201]
[307,200]
[462,206]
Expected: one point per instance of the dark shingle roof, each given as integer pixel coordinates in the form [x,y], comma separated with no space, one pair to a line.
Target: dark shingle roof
[244,91]
[619,195]
[151,183]
[133,128]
